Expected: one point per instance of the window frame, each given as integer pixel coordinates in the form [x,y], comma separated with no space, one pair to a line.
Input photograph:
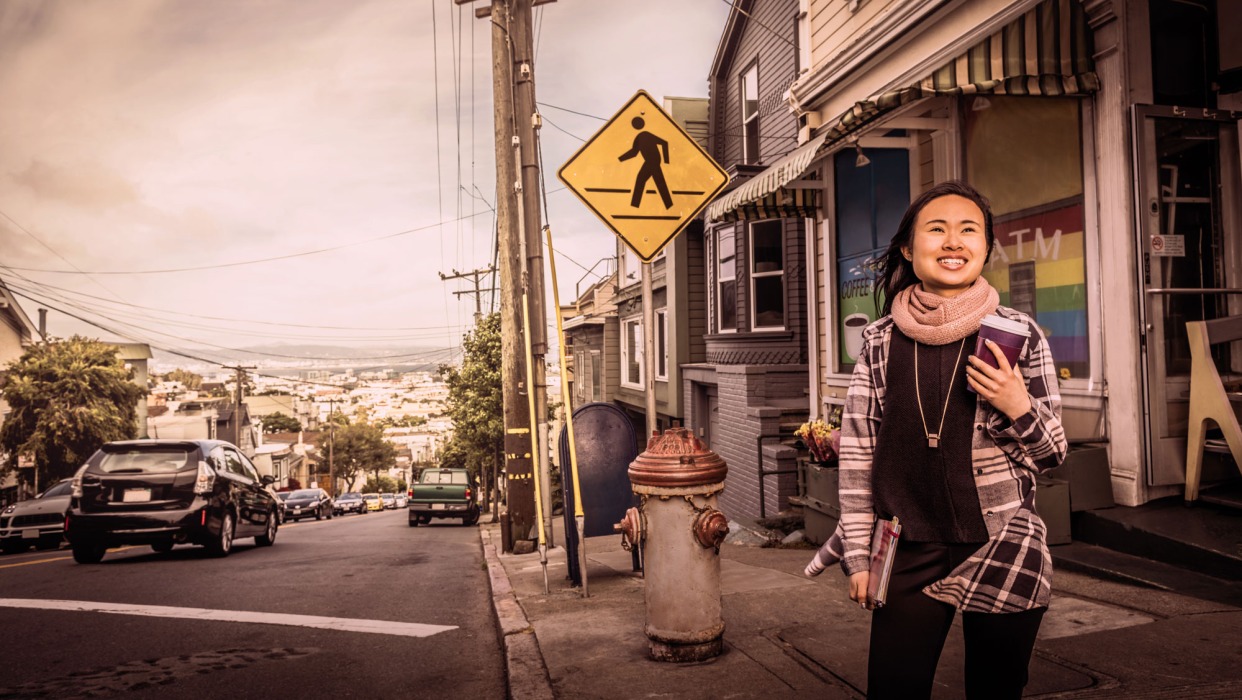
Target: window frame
[750,143]
[720,279]
[637,323]
[778,225]
[661,344]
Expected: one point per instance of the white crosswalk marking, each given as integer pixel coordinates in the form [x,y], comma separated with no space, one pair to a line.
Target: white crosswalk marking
[401,629]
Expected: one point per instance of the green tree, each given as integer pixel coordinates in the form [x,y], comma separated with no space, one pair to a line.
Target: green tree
[475,400]
[379,484]
[359,448]
[278,422]
[402,422]
[188,379]
[68,397]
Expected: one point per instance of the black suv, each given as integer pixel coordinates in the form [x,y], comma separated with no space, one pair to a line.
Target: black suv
[166,492]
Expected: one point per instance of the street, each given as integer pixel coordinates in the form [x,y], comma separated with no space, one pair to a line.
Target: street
[355,606]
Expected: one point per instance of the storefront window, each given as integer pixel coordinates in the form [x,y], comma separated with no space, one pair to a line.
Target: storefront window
[1025,155]
[870,201]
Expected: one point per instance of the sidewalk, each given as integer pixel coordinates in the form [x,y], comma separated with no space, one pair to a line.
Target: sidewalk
[787,636]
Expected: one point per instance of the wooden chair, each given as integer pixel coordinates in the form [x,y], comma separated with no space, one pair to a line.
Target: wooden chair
[1208,398]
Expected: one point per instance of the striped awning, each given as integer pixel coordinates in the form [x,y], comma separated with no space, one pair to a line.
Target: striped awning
[763,186]
[1045,51]
[781,204]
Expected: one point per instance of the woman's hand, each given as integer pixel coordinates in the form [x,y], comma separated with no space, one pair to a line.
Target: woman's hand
[858,589]
[1004,388]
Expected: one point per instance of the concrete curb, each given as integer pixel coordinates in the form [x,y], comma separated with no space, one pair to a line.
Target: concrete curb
[525,669]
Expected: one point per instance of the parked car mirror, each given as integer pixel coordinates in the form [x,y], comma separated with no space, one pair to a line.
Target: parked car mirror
[268,479]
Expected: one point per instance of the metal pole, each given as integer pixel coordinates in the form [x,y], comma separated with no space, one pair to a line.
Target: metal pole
[649,363]
[567,401]
[537,462]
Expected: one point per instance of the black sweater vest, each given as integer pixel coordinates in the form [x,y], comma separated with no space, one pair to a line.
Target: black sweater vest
[932,490]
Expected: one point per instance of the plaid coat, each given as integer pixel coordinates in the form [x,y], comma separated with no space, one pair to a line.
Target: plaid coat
[1013,571]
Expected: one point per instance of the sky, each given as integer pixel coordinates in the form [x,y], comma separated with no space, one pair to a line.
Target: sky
[240,173]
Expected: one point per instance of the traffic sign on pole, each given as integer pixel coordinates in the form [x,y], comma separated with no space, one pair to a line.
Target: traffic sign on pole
[643,176]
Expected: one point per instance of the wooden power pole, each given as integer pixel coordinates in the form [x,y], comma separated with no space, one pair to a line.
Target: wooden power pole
[478,290]
[521,253]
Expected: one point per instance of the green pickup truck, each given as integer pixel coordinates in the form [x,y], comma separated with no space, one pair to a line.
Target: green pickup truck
[442,493]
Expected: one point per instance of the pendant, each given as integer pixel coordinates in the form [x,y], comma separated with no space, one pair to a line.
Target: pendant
[933,441]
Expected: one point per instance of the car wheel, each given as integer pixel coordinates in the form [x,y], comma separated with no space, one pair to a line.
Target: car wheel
[162,547]
[223,544]
[88,553]
[268,538]
[424,519]
[471,518]
[319,515]
[413,521]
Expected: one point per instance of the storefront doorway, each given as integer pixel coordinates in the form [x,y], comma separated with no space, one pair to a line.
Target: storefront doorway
[1187,195]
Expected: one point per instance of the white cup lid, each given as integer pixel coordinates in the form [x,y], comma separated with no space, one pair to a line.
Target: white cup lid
[1005,324]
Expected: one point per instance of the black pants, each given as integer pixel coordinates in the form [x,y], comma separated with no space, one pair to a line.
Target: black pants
[907,634]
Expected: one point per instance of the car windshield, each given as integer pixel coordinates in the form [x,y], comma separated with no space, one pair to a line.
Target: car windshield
[305,493]
[64,488]
[283,495]
[370,496]
[137,461]
[349,497]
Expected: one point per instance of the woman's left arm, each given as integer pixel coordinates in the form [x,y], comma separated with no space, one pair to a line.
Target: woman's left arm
[1027,402]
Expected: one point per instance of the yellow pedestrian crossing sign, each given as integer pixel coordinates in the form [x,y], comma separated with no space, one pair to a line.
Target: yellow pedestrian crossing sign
[643,176]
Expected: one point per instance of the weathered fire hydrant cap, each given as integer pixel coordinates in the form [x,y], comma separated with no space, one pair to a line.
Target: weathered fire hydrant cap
[677,459]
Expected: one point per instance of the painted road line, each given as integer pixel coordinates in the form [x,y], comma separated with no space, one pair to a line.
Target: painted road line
[400,629]
[45,561]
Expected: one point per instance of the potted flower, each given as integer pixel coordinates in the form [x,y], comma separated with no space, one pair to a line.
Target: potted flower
[822,439]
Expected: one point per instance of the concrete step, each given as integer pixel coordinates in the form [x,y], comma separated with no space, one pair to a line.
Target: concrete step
[1105,563]
[1204,537]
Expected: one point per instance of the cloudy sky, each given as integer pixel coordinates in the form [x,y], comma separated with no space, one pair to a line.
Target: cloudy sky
[242,172]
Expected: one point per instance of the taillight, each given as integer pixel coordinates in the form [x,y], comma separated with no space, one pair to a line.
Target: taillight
[77,482]
[409,494]
[467,494]
[203,519]
[66,522]
[206,479]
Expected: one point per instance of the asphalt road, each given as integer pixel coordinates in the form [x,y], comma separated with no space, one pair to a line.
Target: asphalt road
[187,625]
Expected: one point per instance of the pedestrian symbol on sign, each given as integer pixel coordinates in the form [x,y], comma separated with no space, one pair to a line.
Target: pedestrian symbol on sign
[642,151]
[650,147]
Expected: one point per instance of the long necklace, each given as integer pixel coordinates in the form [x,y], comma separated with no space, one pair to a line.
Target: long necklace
[933,439]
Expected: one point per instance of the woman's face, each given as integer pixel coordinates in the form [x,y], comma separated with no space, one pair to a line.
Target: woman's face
[949,245]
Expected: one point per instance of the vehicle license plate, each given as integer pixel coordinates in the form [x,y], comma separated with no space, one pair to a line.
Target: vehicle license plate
[31,534]
[297,510]
[437,506]
[136,495]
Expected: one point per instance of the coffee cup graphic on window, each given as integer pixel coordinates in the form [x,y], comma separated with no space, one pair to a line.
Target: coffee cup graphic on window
[854,325]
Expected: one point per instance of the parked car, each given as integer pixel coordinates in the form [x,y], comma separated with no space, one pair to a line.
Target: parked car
[373,501]
[39,521]
[281,497]
[402,501]
[442,493]
[167,492]
[390,501]
[306,503]
[351,503]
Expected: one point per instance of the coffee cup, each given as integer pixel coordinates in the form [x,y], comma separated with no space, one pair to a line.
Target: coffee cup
[1010,336]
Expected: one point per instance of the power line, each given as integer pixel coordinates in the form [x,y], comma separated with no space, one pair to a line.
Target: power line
[237,263]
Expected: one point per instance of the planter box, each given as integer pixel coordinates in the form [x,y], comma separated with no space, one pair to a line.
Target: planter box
[1052,502]
[821,504]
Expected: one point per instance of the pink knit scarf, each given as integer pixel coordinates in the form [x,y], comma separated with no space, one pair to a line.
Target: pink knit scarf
[935,320]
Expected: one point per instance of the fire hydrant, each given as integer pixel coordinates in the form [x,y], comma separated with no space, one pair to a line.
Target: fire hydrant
[677,479]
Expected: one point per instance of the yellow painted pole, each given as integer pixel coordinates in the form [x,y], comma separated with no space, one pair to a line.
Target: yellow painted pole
[569,416]
[537,457]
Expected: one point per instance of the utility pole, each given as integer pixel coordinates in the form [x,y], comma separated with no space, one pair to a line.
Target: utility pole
[237,409]
[331,446]
[521,252]
[477,291]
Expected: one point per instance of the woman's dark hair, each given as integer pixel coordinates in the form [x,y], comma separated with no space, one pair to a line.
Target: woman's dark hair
[895,272]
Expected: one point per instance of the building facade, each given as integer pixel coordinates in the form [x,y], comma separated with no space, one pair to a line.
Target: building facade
[1105,134]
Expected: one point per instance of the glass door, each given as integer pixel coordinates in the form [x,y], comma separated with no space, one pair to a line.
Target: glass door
[1187,171]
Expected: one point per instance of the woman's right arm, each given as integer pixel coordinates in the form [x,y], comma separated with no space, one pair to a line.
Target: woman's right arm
[860,424]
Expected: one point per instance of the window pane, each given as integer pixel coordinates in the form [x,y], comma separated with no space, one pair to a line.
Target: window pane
[1037,264]
[596,382]
[661,349]
[750,93]
[728,305]
[725,249]
[766,254]
[769,302]
[633,344]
